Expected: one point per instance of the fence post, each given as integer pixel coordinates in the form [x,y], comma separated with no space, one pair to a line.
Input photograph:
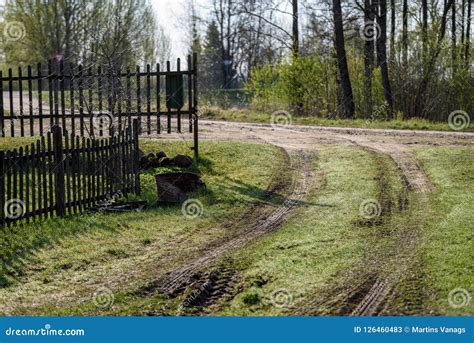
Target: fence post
[195,107]
[136,166]
[2,187]
[58,168]
[2,112]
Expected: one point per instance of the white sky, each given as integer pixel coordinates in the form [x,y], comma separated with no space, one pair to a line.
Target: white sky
[171,16]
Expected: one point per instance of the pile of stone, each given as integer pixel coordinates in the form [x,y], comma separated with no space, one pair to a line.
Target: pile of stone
[176,187]
[160,159]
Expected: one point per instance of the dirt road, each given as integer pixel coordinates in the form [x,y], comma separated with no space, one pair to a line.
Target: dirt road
[392,143]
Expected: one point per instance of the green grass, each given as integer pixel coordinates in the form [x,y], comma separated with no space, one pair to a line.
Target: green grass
[10,143]
[68,259]
[448,252]
[321,255]
[215,113]
[309,257]
[324,251]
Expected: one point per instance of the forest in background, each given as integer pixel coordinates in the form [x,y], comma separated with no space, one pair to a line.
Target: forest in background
[373,59]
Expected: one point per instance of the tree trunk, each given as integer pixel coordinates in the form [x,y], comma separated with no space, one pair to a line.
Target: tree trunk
[382,56]
[463,20]
[392,31]
[296,41]
[468,32]
[347,97]
[453,36]
[405,32]
[368,59]
[424,28]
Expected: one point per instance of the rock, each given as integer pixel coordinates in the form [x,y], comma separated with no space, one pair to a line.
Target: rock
[175,187]
[155,162]
[182,161]
[160,154]
[144,162]
[164,161]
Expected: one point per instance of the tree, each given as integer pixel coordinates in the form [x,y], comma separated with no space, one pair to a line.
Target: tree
[453,36]
[345,82]
[211,70]
[194,34]
[393,29]
[382,55]
[405,32]
[419,100]
[296,40]
[424,27]
[369,16]
[468,32]
[115,33]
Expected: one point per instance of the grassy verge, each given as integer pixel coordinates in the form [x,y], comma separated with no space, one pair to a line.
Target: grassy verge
[266,118]
[448,251]
[60,263]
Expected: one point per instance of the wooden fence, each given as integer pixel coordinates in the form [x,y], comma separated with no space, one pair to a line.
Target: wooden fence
[95,100]
[63,174]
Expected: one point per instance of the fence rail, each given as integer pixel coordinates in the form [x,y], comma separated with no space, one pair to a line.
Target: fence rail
[90,101]
[63,174]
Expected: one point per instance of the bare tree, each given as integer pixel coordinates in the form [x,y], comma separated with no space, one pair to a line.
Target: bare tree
[453,36]
[369,17]
[296,40]
[419,100]
[424,27]
[468,31]
[382,55]
[345,82]
[405,32]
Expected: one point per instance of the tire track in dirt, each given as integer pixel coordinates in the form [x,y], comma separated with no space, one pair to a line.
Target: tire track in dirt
[180,279]
[415,180]
[369,296]
[411,172]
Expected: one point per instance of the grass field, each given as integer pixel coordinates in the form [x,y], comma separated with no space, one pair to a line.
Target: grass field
[323,255]
[52,254]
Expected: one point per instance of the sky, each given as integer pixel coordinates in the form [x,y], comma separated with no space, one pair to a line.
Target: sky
[171,15]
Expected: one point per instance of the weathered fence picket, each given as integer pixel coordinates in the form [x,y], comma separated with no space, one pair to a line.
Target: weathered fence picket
[64,174]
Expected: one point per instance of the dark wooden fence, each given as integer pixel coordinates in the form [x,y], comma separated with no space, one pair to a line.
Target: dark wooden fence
[63,174]
[96,101]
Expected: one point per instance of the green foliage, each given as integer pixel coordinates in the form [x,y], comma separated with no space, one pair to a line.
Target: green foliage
[304,85]
[211,71]
[309,86]
[224,98]
[116,33]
